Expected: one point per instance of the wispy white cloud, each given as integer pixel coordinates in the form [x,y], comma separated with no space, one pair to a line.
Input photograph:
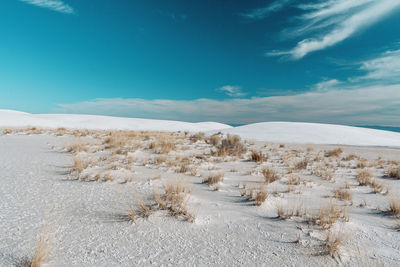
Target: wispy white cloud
[385,68]
[56,5]
[373,105]
[331,22]
[232,90]
[327,85]
[263,12]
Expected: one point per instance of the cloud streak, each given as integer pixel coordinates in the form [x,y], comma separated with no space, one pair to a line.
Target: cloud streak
[385,68]
[378,105]
[331,22]
[55,5]
[263,12]
[231,90]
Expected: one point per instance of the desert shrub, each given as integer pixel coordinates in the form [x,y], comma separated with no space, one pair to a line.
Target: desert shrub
[270,175]
[214,178]
[214,139]
[261,196]
[350,157]
[183,169]
[376,187]
[394,206]
[333,242]
[40,254]
[327,215]
[116,139]
[362,163]
[7,131]
[258,156]
[294,180]
[301,165]
[144,210]
[174,200]
[364,177]
[165,147]
[394,173]
[334,152]
[231,145]
[197,137]
[323,173]
[79,165]
[250,193]
[342,194]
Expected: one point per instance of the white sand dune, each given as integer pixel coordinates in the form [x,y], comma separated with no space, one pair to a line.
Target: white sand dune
[285,132]
[316,133]
[11,118]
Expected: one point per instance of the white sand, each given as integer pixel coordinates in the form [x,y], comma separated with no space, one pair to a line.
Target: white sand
[87,222]
[284,132]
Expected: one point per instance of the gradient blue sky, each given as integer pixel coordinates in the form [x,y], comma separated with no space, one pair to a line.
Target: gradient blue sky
[333,61]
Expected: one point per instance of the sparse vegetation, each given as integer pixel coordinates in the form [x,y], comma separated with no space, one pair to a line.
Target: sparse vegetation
[364,177]
[261,196]
[342,194]
[270,175]
[394,205]
[258,156]
[231,145]
[333,242]
[214,139]
[214,178]
[394,173]
[334,152]
[40,254]
[174,200]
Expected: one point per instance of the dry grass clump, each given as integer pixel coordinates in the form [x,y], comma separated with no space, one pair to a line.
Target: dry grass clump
[327,215]
[214,178]
[301,165]
[197,137]
[364,177]
[342,194]
[289,212]
[323,173]
[261,196]
[144,210]
[118,139]
[182,169]
[231,145]
[394,173]
[270,175]
[378,187]
[174,200]
[362,163]
[350,157]
[160,160]
[258,156]
[165,147]
[76,147]
[214,139]
[294,180]
[40,254]
[394,205]
[7,131]
[334,152]
[79,165]
[333,242]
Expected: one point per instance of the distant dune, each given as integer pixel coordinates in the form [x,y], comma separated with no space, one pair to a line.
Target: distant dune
[316,133]
[11,118]
[285,132]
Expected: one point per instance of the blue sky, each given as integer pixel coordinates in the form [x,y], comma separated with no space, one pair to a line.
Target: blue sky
[332,61]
